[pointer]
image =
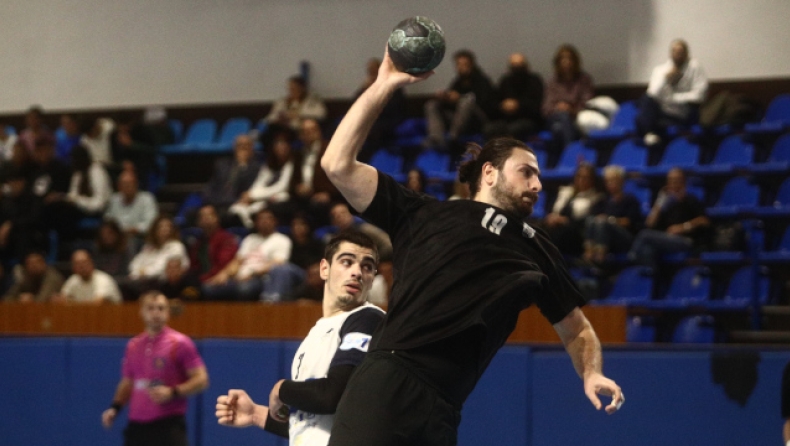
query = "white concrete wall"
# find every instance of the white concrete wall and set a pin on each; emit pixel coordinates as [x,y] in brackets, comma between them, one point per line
[82,54]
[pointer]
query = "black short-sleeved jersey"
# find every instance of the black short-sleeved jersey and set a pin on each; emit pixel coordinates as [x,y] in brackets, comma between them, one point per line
[463,271]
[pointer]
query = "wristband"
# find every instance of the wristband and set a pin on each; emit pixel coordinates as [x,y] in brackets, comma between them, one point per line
[117,406]
[176,393]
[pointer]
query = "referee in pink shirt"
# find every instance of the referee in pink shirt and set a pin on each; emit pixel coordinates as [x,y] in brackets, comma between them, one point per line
[161,367]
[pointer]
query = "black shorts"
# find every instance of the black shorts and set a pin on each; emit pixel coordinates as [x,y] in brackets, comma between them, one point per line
[169,431]
[387,404]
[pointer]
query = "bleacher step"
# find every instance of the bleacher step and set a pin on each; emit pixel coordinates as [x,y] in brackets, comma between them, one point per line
[760,337]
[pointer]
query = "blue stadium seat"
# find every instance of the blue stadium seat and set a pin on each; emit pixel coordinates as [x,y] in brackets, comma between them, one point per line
[695,330]
[737,196]
[634,286]
[542,157]
[781,204]
[411,132]
[739,291]
[782,252]
[733,153]
[177,127]
[679,153]
[689,286]
[629,154]
[640,329]
[623,123]
[200,134]
[389,163]
[776,119]
[192,202]
[436,165]
[574,153]
[233,127]
[539,209]
[696,190]
[641,192]
[778,161]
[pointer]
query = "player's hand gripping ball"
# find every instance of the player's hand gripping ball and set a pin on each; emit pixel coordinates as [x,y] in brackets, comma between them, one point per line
[416,45]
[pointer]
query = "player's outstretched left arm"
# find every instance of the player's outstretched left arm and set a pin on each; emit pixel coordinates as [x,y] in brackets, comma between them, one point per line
[355,180]
[584,348]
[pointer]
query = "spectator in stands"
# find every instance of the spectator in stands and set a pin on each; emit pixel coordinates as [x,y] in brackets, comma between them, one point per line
[88,284]
[314,193]
[20,163]
[112,250]
[520,94]
[34,280]
[88,195]
[383,130]
[342,220]
[50,177]
[614,220]
[298,105]
[274,179]
[34,128]
[134,210]
[214,249]
[162,243]
[574,203]
[464,106]
[7,142]
[232,177]
[136,143]
[676,90]
[96,138]
[306,249]
[179,284]
[311,289]
[69,137]
[244,277]
[566,94]
[22,227]
[676,223]
[416,180]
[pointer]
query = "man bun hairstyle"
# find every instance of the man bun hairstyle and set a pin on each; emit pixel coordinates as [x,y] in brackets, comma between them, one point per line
[495,151]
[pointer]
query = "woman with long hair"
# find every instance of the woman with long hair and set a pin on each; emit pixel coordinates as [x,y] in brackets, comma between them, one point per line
[566,94]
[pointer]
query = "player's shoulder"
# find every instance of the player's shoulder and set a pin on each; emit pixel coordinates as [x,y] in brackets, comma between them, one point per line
[365,317]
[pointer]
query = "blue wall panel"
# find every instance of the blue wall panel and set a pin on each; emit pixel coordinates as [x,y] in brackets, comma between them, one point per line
[671,398]
[33,406]
[250,365]
[497,411]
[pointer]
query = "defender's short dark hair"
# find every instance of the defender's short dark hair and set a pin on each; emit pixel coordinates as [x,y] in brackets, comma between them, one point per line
[495,151]
[350,236]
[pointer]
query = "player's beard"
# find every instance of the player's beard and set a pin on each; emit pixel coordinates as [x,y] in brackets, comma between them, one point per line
[510,200]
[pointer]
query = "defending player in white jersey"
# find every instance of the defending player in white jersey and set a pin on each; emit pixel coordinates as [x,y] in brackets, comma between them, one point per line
[327,356]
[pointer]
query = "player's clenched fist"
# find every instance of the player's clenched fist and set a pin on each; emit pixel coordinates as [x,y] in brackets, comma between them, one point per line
[236,409]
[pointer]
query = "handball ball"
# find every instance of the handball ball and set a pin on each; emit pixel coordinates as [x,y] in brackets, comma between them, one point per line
[416,45]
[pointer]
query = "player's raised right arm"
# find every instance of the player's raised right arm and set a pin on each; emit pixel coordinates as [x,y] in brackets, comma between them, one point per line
[358,181]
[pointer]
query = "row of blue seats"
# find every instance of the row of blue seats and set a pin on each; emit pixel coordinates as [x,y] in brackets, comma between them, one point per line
[203,135]
[693,329]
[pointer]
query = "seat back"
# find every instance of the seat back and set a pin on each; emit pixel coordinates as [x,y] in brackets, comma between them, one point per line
[432,162]
[642,193]
[781,149]
[695,330]
[177,127]
[233,127]
[625,118]
[630,155]
[680,153]
[734,150]
[574,154]
[201,131]
[387,162]
[640,329]
[739,192]
[778,109]
[691,285]
[740,287]
[633,284]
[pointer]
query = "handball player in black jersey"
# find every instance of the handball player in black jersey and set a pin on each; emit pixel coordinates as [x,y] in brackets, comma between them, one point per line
[463,271]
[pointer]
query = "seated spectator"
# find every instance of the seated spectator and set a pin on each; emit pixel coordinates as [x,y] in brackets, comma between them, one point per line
[565,223]
[246,275]
[88,284]
[614,220]
[7,141]
[464,106]
[313,193]
[306,249]
[34,280]
[232,177]
[215,248]
[88,195]
[96,138]
[49,177]
[676,223]
[69,138]
[179,284]
[135,143]
[383,130]
[134,210]
[273,182]
[112,250]
[162,243]
[311,289]
[520,94]
[567,92]
[677,89]
[35,128]
[20,163]
[22,228]
[297,106]
[416,180]
[343,220]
